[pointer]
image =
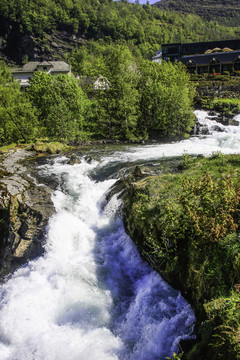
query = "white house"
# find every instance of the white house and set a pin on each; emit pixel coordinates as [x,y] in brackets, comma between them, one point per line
[158,57]
[51,67]
[99,83]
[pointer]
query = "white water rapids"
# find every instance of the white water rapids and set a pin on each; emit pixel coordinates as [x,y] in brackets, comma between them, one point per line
[91,297]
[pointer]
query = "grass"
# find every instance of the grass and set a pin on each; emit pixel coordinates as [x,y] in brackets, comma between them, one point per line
[225,105]
[6,148]
[53,147]
[227,101]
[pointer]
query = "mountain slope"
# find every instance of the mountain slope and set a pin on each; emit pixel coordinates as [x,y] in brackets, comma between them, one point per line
[49,29]
[226,12]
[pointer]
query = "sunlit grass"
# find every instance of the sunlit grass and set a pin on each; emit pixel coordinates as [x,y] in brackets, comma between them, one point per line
[42,146]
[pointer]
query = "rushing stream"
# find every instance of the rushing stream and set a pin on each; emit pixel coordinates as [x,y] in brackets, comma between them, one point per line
[91,297]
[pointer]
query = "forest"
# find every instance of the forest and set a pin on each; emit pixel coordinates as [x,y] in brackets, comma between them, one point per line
[222,11]
[142,99]
[117,41]
[145,26]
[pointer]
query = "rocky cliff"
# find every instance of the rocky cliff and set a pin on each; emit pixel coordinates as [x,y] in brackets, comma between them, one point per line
[17,46]
[25,207]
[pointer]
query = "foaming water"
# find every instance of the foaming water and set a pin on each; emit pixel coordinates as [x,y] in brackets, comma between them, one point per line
[91,296]
[226,141]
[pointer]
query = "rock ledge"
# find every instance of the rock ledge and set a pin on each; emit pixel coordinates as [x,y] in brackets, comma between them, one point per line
[25,207]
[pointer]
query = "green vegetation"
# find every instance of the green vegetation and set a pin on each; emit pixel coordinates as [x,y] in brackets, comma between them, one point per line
[50,147]
[209,79]
[166,99]
[108,19]
[225,12]
[142,98]
[218,92]
[18,119]
[60,105]
[225,106]
[175,356]
[115,39]
[187,224]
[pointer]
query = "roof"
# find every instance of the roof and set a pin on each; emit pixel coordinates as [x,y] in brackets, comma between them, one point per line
[45,63]
[31,66]
[205,59]
[207,43]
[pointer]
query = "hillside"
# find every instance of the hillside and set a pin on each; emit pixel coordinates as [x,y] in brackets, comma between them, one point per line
[226,12]
[51,29]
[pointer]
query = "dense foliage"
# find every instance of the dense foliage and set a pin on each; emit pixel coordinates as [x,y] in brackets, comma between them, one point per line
[225,106]
[141,98]
[117,41]
[226,12]
[188,223]
[17,116]
[144,25]
[60,105]
[166,99]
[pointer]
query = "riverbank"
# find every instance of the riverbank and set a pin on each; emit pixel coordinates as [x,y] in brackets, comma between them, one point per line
[25,200]
[25,207]
[185,223]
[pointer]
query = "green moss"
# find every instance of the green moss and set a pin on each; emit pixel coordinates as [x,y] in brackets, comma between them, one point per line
[225,105]
[8,147]
[54,147]
[51,147]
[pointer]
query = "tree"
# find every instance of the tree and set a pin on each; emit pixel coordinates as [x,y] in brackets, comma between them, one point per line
[166,99]
[123,98]
[60,103]
[18,121]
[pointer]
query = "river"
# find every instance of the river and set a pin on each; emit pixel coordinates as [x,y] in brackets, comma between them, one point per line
[91,296]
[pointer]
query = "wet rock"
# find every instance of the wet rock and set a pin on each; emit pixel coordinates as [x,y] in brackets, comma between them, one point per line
[235,111]
[233,122]
[74,159]
[88,159]
[137,171]
[118,188]
[213,113]
[22,230]
[25,209]
[201,129]
[217,128]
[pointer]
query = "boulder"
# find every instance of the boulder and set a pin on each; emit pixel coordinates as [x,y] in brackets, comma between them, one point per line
[88,159]
[74,159]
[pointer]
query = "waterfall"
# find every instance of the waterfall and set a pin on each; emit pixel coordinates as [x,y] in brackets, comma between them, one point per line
[91,296]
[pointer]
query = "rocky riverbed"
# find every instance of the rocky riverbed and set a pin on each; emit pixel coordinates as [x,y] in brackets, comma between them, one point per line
[25,207]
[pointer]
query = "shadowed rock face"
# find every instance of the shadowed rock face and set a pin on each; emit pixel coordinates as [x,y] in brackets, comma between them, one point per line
[25,207]
[16,45]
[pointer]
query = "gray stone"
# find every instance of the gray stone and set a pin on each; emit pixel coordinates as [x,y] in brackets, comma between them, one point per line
[25,209]
[74,159]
